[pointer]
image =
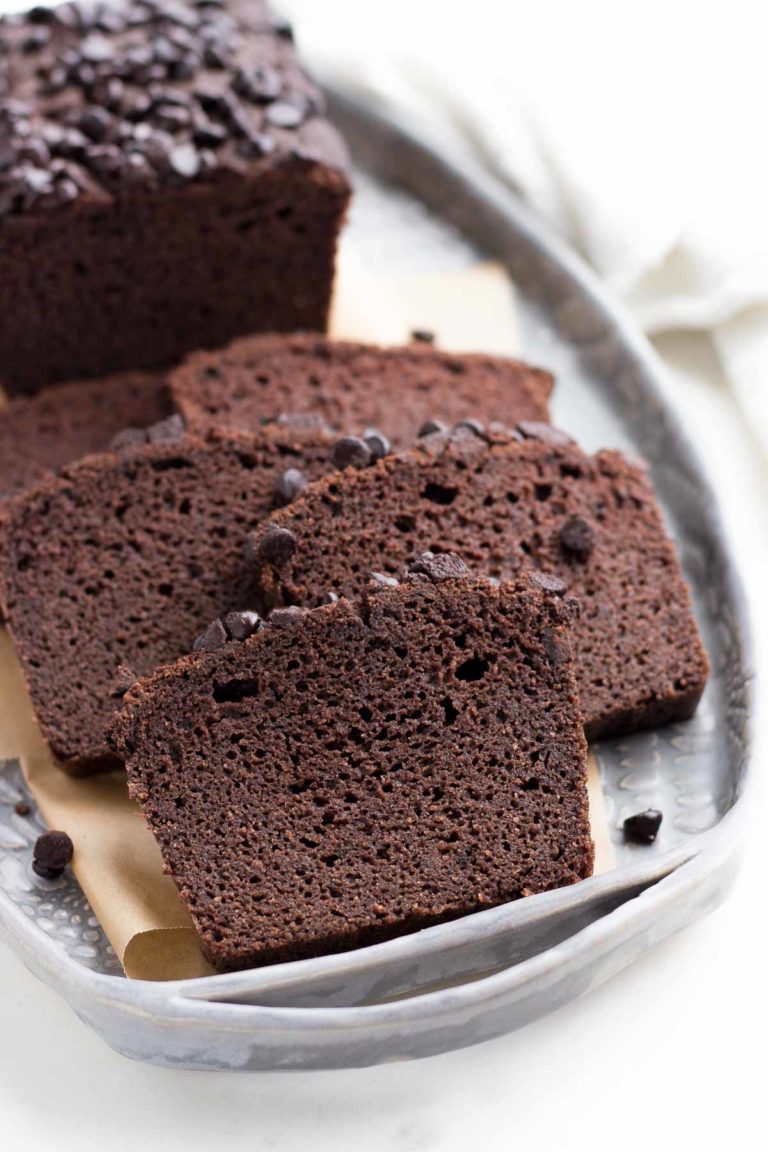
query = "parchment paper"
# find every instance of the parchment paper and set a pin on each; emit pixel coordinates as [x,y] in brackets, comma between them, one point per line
[117,861]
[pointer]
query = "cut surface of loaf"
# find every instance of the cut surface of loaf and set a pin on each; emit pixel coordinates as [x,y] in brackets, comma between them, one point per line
[42,433]
[353,386]
[538,501]
[117,564]
[354,773]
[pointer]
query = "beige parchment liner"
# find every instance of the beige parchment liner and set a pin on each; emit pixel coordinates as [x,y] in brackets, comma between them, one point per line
[117,860]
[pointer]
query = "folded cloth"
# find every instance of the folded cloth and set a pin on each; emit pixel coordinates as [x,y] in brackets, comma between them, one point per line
[635,133]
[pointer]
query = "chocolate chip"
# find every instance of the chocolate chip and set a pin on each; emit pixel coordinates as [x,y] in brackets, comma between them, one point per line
[185,161]
[35,41]
[207,134]
[96,49]
[439,566]
[282,114]
[282,28]
[166,431]
[287,617]
[21,808]
[128,438]
[537,430]
[422,336]
[556,647]
[124,680]
[476,427]
[377,442]
[643,827]
[95,123]
[241,625]
[51,854]
[289,485]
[548,583]
[382,580]
[329,598]
[214,637]
[351,452]
[259,85]
[430,428]
[577,538]
[276,546]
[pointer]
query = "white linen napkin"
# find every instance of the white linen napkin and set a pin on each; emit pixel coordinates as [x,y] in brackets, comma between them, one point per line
[634,130]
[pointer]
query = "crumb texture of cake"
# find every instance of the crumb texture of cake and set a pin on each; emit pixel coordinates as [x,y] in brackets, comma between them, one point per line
[42,433]
[590,522]
[352,387]
[117,565]
[341,778]
[168,181]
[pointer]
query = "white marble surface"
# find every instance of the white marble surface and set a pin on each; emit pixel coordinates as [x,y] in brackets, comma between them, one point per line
[665,1055]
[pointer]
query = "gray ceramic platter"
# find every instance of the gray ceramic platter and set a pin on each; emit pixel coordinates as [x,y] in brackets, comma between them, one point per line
[486,974]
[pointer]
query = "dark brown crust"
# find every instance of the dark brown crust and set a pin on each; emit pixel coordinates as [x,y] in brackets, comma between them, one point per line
[640,661]
[43,433]
[123,560]
[131,274]
[353,386]
[347,780]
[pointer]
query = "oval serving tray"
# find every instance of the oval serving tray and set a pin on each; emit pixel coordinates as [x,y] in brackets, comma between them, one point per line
[485,974]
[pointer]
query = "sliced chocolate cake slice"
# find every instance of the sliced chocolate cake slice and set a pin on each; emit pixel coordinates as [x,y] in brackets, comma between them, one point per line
[353,386]
[357,772]
[42,433]
[591,523]
[117,564]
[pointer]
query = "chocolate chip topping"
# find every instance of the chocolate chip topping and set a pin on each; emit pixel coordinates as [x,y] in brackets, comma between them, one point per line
[144,93]
[289,485]
[431,428]
[21,808]
[377,442]
[128,438]
[439,567]
[276,546]
[351,452]
[382,580]
[537,430]
[548,583]
[166,431]
[287,617]
[422,336]
[241,625]
[214,637]
[577,538]
[643,827]
[124,680]
[51,854]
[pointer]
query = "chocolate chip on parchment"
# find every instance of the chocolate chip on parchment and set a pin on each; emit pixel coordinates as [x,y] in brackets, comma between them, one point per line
[51,854]
[643,827]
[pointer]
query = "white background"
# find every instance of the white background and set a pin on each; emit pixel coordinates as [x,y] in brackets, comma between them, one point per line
[671,1053]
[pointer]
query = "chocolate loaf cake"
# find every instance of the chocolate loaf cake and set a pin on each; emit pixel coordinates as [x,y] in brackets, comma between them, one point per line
[589,522]
[353,386]
[351,774]
[117,564]
[168,181]
[42,433]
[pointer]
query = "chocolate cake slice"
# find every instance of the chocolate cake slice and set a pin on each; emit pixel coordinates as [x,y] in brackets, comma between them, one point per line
[353,773]
[43,433]
[117,564]
[591,523]
[353,386]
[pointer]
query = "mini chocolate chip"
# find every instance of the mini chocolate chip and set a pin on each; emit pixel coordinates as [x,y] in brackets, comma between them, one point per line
[214,637]
[241,625]
[51,854]
[40,15]
[351,452]
[329,598]
[287,617]
[537,430]
[95,123]
[377,442]
[430,427]
[260,85]
[185,161]
[206,134]
[124,679]
[276,546]
[577,538]
[439,566]
[422,336]
[21,808]
[643,827]
[128,438]
[290,485]
[556,648]
[382,580]
[476,427]
[282,28]
[166,431]
[96,49]
[548,583]
[282,114]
